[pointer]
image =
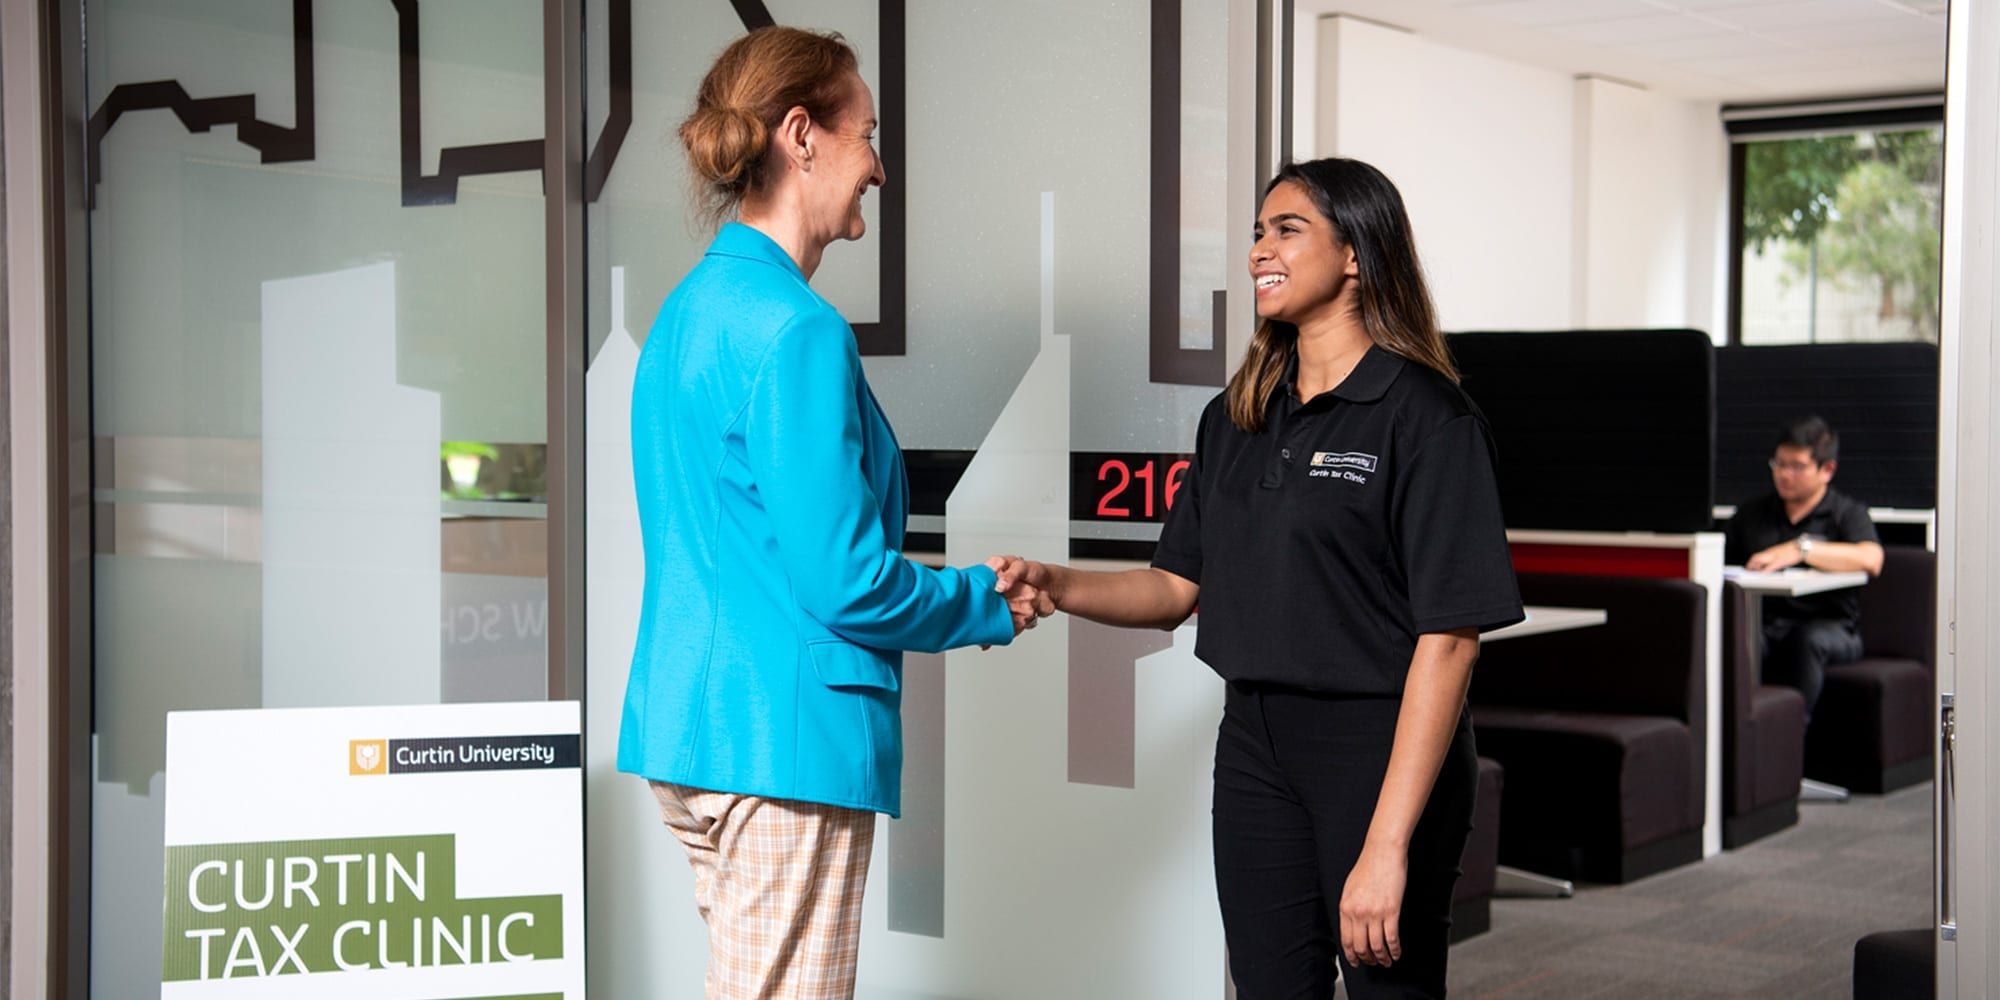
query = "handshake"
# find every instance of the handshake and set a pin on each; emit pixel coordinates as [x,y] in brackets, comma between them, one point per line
[1027,587]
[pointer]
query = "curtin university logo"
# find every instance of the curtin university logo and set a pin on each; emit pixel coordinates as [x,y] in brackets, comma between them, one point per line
[367,756]
[1344,460]
[463,753]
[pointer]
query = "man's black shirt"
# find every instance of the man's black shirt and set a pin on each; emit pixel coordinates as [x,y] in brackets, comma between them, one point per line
[1762,523]
[1352,523]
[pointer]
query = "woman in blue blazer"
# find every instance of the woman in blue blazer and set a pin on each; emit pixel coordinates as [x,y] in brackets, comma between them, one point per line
[763,703]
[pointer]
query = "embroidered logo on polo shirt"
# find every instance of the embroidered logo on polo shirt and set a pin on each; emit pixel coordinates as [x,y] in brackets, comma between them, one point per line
[1344,465]
[1344,460]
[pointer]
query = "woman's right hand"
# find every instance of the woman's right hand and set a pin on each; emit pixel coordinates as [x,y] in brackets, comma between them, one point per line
[1022,583]
[1135,598]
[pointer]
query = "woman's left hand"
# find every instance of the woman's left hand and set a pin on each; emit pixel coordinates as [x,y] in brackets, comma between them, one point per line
[1371,907]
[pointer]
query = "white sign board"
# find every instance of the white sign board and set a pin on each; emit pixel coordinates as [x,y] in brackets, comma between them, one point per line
[420,853]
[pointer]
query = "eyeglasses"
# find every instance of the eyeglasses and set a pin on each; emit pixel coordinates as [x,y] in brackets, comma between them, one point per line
[1793,467]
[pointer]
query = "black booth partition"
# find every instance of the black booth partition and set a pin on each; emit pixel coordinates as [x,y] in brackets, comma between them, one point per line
[1881,398]
[1610,430]
[1647,430]
[1598,430]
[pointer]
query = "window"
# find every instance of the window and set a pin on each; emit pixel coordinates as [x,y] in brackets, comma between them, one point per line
[1837,233]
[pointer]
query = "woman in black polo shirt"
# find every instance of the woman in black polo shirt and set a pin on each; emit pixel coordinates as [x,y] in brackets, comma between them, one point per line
[1341,528]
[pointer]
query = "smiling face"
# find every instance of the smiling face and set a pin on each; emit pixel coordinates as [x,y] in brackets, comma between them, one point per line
[1297,261]
[845,165]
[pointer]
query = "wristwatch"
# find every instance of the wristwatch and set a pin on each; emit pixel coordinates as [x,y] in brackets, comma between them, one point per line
[1805,548]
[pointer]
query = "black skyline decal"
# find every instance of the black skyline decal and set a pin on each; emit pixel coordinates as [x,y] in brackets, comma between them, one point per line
[296,143]
[458,162]
[274,143]
[1168,361]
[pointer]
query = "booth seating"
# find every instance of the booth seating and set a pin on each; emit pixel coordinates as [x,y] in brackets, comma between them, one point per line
[1763,734]
[1896,965]
[1601,730]
[1472,897]
[1871,731]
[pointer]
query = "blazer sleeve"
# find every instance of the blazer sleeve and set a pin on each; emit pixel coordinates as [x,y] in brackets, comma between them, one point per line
[803,437]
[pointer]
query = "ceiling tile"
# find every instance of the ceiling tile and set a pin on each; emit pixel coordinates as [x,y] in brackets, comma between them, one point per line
[1826,82]
[1718,5]
[1887,31]
[1783,61]
[1626,30]
[1707,49]
[1928,8]
[1781,17]
[1722,44]
[1914,57]
[1537,13]
[1734,89]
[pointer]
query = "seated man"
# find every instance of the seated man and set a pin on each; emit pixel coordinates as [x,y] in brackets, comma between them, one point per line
[1805,522]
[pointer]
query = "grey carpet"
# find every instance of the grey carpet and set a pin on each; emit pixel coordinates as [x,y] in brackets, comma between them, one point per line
[1777,918]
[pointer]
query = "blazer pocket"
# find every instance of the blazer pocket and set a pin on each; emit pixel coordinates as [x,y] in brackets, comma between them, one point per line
[842,664]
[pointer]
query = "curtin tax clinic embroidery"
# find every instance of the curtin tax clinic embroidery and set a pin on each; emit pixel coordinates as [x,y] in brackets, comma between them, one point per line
[1344,465]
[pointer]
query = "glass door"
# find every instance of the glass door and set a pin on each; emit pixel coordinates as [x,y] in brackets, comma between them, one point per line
[319,291]
[317,378]
[1048,295]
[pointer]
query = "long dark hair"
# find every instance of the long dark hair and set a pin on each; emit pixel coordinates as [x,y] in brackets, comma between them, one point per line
[1394,302]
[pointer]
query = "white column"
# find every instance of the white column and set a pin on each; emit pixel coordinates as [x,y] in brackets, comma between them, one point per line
[1705,568]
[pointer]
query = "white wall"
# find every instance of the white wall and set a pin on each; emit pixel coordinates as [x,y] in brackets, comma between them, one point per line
[1652,202]
[1480,148]
[1539,200]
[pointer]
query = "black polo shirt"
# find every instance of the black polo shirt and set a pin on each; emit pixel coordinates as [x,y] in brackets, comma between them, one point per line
[1354,522]
[1762,523]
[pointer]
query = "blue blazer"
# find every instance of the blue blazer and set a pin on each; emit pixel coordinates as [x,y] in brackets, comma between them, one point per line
[772,501]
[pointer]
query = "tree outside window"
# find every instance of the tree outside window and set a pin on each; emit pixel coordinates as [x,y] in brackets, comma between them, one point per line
[1841,237]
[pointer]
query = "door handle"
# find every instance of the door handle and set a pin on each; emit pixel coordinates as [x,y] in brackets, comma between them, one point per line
[1947,812]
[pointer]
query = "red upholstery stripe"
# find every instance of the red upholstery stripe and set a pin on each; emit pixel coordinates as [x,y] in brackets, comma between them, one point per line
[1601,560]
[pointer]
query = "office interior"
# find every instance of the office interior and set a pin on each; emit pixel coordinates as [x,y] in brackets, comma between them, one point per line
[322,322]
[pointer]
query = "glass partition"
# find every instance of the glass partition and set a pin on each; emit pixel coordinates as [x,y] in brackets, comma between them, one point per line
[1045,297]
[317,381]
[319,336]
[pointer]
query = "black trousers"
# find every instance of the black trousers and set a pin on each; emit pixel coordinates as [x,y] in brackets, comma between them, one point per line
[1797,653]
[1296,779]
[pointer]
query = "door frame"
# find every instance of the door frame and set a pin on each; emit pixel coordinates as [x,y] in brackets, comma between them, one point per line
[1967,823]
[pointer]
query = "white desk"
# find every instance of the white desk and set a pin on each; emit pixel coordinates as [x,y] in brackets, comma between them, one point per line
[1795,582]
[1543,620]
[1508,880]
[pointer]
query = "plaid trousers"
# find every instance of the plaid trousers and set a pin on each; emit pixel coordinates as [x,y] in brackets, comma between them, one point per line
[779,883]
